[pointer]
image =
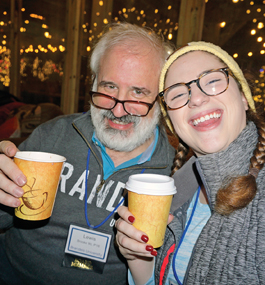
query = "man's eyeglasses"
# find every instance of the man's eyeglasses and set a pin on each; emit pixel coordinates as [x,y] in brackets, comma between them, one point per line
[212,82]
[133,108]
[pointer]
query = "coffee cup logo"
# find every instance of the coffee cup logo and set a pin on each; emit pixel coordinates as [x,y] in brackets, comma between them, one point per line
[34,200]
[43,172]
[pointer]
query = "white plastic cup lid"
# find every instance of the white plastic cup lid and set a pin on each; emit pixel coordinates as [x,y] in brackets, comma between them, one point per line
[151,184]
[39,156]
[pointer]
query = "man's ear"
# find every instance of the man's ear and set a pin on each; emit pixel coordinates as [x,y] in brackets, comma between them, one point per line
[245,102]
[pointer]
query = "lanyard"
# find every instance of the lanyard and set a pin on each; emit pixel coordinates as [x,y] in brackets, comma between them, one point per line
[183,235]
[110,214]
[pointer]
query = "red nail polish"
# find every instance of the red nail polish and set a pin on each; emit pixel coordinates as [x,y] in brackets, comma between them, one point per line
[144,238]
[149,248]
[131,219]
[154,253]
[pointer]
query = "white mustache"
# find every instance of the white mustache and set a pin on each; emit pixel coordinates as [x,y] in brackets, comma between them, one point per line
[124,119]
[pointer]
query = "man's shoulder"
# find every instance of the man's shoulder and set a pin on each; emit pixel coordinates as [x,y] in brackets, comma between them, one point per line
[58,129]
[65,121]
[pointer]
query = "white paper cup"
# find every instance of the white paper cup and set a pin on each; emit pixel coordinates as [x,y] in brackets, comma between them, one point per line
[43,171]
[149,200]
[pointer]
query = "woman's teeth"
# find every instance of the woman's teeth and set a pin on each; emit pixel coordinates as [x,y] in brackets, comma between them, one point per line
[206,118]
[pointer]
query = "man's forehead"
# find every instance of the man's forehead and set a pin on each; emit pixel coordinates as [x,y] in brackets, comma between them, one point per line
[134,48]
[120,67]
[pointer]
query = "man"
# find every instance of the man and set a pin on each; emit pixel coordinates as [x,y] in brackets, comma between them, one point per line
[120,137]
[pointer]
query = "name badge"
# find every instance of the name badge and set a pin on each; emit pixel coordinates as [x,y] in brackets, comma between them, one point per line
[88,243]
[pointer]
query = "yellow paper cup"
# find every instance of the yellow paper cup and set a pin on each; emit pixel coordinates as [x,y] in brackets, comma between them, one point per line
[149,200]
[43,171]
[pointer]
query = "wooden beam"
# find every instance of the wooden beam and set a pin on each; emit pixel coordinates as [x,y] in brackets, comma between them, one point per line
[100,17]
[191,20]
[16,20]
[71,79]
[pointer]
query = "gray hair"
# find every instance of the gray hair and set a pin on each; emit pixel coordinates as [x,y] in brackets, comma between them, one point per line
[122,33]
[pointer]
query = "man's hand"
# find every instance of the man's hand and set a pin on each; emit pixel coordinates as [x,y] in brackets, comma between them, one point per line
[11,177]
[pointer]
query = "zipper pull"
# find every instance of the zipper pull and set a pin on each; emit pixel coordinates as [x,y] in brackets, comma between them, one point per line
[100,185]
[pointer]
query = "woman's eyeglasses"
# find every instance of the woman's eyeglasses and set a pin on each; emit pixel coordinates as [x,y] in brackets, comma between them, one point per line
[212,82]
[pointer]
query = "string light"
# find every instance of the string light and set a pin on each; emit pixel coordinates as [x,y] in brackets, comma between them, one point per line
[260,25]
[168,26]
[61,48]
[37,16]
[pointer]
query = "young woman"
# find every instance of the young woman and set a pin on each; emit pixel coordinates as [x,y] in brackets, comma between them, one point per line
[218,227]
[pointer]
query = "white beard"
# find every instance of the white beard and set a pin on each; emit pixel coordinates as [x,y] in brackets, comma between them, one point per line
[124,141]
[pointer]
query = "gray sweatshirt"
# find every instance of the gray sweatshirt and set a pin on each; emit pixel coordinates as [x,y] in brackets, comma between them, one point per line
[36,251]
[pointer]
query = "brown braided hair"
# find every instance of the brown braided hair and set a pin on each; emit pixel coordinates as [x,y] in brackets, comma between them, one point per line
[180,157]
[241,190]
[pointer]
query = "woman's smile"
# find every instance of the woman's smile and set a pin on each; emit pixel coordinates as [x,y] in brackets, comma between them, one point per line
[204,122]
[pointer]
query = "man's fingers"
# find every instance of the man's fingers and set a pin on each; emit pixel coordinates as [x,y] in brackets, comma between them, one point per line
[8,148]
[9,168]
[9,200]
[11,177]
[10,187]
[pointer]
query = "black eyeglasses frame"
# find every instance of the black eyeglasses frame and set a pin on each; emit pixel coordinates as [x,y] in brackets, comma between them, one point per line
[149,105]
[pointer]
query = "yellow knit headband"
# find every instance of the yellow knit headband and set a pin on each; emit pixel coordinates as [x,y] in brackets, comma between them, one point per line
[220,53]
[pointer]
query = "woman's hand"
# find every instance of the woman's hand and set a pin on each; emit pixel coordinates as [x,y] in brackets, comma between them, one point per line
[132,243]
[11,177]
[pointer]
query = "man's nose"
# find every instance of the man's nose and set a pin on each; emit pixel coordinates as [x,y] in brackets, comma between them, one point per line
[118,111]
